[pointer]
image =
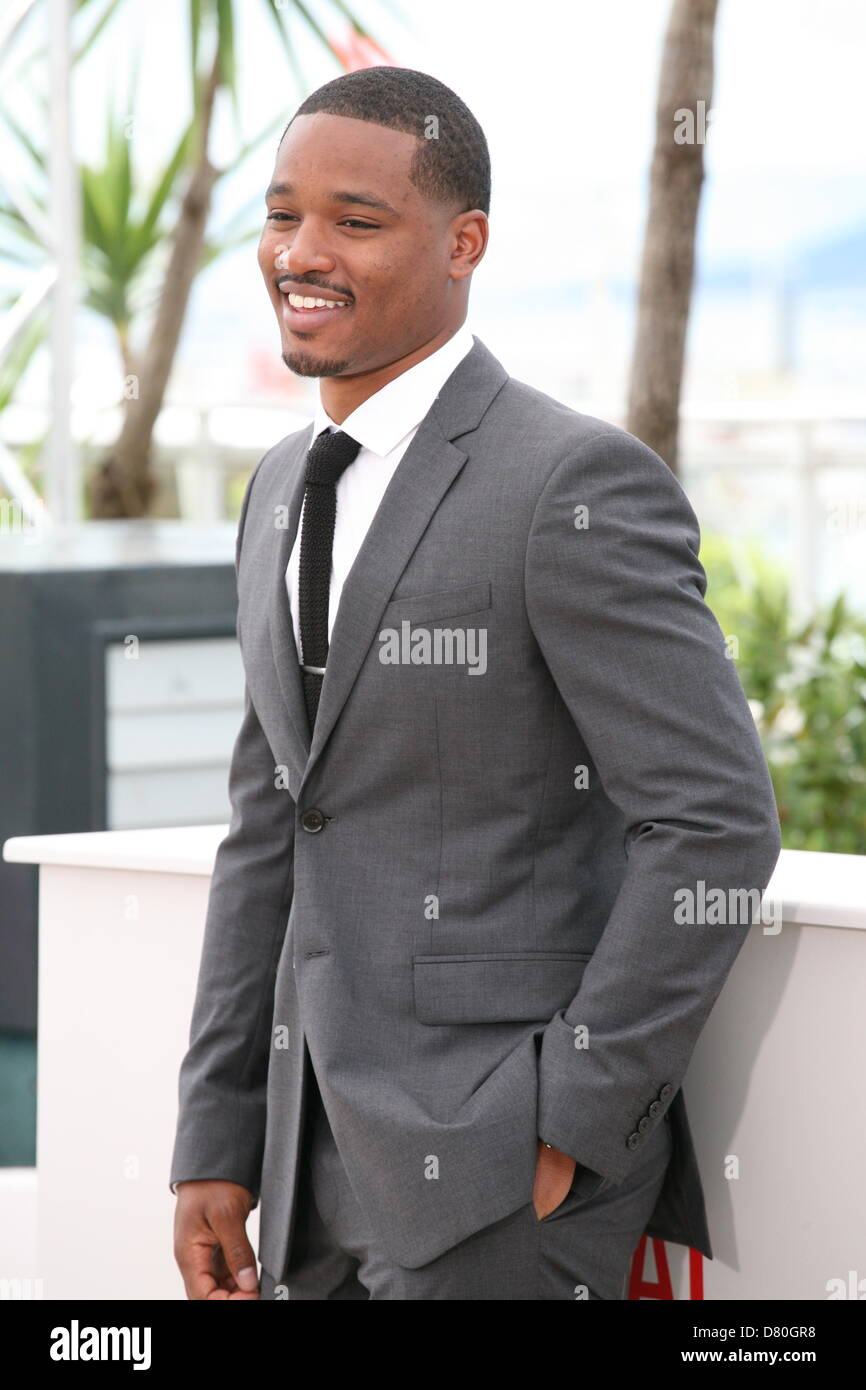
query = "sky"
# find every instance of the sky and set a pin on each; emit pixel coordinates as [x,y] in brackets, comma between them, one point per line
[566,102]
[565,93]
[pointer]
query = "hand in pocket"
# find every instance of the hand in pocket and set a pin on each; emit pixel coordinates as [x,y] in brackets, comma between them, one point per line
[554,1174]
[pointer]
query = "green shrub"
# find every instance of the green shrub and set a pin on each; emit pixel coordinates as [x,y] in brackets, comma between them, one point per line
[806,684]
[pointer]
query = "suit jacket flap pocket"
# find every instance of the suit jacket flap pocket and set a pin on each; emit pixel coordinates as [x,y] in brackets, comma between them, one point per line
[506,987]
[446,603]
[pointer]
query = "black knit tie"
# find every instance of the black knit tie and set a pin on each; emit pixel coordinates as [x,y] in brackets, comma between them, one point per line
[328,458]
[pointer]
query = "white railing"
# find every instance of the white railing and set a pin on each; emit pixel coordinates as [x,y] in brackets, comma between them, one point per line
[791,475]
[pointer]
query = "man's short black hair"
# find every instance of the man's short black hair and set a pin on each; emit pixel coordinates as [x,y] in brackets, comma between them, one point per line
[451,163]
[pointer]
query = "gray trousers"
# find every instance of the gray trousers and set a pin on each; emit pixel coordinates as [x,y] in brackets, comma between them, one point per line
[582,1250]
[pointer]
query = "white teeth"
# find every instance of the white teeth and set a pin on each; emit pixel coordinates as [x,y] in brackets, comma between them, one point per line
[299,301]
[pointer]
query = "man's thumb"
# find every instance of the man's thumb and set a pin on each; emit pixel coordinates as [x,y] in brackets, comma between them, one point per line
[237,1252]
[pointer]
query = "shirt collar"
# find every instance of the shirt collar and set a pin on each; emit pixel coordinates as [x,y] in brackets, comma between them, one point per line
[383,419]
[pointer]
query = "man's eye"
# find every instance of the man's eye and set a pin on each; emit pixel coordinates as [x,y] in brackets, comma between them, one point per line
[347,222]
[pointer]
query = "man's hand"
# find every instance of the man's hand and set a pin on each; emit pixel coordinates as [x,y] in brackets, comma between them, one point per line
[554,1174]
[210,1240]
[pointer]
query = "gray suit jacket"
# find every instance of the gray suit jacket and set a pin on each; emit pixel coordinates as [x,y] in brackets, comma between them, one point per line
[462,895]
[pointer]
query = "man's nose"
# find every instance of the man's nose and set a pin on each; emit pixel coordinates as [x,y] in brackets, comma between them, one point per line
[307,252]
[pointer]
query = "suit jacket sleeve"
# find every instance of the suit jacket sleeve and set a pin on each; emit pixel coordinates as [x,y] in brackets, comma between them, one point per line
[223,1077]
[639,659]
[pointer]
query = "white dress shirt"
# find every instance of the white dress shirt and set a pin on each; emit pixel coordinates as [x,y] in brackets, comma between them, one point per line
[385,425]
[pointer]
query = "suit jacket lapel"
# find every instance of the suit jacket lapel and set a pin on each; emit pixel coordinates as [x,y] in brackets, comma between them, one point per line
[279,611]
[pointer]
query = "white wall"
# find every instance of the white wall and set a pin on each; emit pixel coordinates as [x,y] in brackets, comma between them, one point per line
[777,1081]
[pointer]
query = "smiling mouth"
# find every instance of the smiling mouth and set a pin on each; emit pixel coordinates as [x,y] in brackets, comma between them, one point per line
[312,310]
[305,304]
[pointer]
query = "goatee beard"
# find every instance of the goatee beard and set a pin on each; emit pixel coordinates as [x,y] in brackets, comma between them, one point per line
[302,364]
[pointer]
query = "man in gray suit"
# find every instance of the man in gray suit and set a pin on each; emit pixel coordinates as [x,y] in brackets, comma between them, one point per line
[494,764]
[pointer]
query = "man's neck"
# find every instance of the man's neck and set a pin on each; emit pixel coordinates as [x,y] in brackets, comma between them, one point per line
[340,395]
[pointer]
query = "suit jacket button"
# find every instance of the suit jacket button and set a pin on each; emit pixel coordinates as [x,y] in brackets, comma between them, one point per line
[666,1091]
[633,1140]
[643,1124]
[312,820]
[655,1108]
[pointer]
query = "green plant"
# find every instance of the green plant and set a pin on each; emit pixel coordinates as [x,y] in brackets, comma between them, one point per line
[160,242]
[806,684]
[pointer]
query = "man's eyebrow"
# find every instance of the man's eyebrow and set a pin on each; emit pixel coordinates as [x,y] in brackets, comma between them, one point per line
[367,200]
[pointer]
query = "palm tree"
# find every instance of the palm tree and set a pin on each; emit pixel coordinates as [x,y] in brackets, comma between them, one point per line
[122,484]
[125,230]
[667,269]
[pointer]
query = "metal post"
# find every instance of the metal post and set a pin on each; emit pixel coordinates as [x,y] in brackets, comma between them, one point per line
[62,471]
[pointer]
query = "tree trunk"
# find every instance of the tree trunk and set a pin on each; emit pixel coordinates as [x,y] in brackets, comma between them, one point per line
[667,268]
[122,484]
